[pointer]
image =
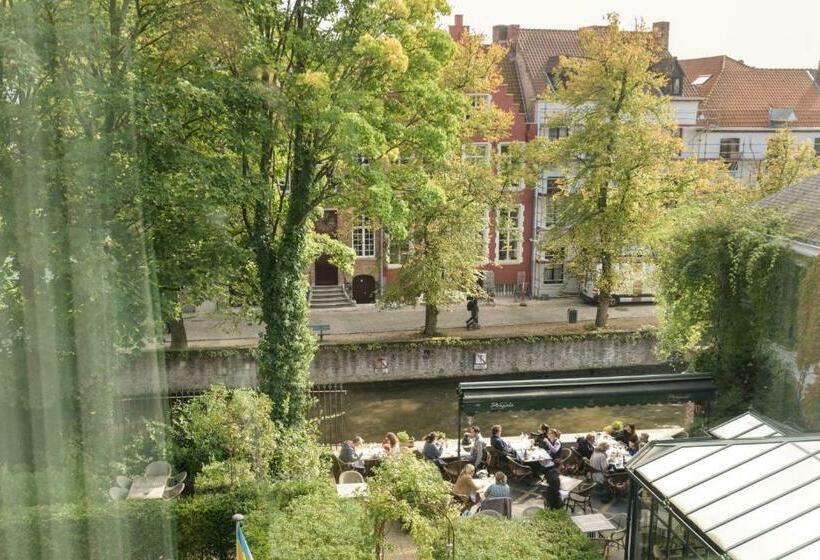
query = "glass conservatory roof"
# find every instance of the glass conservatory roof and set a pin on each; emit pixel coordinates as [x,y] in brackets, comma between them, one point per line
[750,425]
[754,498]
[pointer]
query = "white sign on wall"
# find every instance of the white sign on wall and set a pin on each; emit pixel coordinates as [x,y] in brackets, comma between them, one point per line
[480,360]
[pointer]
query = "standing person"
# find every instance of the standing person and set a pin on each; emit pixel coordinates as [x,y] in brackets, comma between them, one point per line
[500,489]
[472,307]
[586,445]
[390,444]
[552,495]
[601,467]
[477,451]
[351,455]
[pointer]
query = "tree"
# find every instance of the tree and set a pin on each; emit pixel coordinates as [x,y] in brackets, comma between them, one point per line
[718,285]
[448,200]
[312,101]
[785,163]
[618,158]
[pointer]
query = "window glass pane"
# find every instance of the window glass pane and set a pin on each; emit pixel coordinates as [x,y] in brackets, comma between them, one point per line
[364,238]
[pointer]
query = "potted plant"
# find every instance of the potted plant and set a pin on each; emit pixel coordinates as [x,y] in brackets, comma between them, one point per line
[404,439]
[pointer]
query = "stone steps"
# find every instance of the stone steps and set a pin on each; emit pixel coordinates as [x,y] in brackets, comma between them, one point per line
[329,297]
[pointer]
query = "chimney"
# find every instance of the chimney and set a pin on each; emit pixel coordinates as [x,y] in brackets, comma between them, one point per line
[458,28]
[505,34]
[661,31]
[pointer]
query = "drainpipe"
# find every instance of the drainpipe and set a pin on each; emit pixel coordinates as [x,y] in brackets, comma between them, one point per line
[534,242]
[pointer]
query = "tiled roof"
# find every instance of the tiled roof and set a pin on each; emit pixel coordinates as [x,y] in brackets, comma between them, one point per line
[510,75]
[800,205]
[541,49]
[737,95]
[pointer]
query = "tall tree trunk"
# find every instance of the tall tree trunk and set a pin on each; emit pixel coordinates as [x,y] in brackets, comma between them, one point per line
[179,338]
[604,292]
[430,319]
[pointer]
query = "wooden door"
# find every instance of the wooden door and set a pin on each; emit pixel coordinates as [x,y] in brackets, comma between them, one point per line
[326,273]
[364,288]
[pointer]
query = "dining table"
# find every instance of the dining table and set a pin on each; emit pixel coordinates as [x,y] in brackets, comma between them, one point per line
[592,523]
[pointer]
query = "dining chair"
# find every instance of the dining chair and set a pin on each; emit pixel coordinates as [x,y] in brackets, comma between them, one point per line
[173,491]
[181,476]
[519,471]
[351,477]
[503,506]
[158,468]
[453,469]
[489,513]
[617,536]
[123,481]
[581,497]
[462,502]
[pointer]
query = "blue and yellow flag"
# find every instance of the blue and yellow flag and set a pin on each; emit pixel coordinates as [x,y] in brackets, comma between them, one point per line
[242,550]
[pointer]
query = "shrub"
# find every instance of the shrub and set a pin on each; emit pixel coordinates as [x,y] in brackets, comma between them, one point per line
[550,535]
[313,527]
[411,491]
[223,424]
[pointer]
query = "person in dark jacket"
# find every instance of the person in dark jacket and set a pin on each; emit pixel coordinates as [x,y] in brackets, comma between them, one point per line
[432,450]
[350,454]
[586,445]
[497,442]
[472,307]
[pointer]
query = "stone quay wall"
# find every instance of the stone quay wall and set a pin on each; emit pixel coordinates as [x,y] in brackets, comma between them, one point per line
[194,370]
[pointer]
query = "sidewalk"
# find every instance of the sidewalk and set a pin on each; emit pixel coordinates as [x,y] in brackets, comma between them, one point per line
[361,323]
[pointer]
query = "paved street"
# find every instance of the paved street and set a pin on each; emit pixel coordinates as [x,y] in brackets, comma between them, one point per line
[359,323]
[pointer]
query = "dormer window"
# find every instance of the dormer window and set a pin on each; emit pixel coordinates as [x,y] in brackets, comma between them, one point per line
[702,79]
[781,115]
[677,86]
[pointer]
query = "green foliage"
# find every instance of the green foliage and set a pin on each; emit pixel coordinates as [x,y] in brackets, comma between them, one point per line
[315,527]
[230,432]
[785,163]
[550,535]
[197,528]
[410,491]
[718,278]
[620,157]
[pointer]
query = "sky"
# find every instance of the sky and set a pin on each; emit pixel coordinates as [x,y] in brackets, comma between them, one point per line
[782,34]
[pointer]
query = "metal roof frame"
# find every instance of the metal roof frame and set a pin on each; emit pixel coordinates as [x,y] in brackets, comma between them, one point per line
[763,420]
[646,457]
[540,394]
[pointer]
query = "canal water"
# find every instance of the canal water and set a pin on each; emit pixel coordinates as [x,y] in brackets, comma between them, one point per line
[419,407]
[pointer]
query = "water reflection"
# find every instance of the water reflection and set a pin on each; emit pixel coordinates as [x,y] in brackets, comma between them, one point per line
[419,407]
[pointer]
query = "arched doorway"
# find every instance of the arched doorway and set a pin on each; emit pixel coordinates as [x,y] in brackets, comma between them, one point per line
[326,273]
[364,288]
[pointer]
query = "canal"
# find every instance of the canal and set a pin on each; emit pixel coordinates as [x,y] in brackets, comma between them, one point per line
[419,407]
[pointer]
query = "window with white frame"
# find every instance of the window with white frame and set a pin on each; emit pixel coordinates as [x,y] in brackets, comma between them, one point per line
[553,132]
[509,225]
[547,202]
[730,153]
[817,146]
[479,102]
[511,183]
[477,152]
[553,269]
[397,252]
[364,238]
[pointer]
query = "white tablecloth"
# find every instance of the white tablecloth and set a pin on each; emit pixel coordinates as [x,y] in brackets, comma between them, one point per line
[592,523]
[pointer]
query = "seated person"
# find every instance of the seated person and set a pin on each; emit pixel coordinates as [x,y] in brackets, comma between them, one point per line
[586,445]
[500,489]
[644,439]
[542,435]
[552,443]
[477,451]
[390,444]
[351,455]
[466,486]
[624,435]
[432,448]
[498,443]
[633,445]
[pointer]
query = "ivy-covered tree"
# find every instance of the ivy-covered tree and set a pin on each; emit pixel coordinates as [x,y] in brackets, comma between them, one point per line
[619,156]
[310,103]
[718,285]
[786,162]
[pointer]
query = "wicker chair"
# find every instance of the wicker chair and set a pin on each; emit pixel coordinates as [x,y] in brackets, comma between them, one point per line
[618,484]
[463,502]
[563,461]
[494,462]
[590,470]
[581,497]
[518,471]
[617,536]
[453,469]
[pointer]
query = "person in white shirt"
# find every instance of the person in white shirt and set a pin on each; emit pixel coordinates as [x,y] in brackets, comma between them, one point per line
[600,466]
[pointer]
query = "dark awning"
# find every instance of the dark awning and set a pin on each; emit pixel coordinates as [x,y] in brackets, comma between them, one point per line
[540,394]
